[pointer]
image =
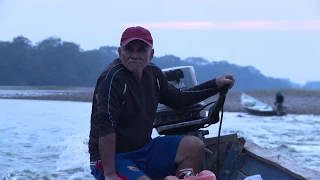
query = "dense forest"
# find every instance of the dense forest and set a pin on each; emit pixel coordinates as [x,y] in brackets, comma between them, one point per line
[54,62]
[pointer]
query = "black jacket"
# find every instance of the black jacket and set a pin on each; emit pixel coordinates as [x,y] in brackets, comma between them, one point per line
[127,106]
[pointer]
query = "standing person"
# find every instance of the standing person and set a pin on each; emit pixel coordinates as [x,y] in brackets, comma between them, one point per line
[124,106]
[279,103]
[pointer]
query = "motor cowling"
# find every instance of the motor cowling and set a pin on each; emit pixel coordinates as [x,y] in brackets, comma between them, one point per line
[169,121]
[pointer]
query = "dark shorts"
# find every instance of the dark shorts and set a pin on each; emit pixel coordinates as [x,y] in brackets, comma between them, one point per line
[155,160]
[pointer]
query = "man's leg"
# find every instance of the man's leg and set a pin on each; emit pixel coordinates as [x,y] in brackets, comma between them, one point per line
[161,158]
[128,170]
[169,154]
[125,169]
[143,178]
[97,170]
[190,154]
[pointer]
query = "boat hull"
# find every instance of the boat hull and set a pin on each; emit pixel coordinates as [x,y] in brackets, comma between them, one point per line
[240,159]
[261,113]
[256,107]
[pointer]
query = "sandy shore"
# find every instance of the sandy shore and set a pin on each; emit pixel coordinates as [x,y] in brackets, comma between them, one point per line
[297,101]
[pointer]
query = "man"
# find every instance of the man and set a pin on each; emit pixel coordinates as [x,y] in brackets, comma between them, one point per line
[279,103]
[124,107]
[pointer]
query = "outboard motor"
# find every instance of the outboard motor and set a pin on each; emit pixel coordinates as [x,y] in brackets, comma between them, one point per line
[190,119]
[169,121]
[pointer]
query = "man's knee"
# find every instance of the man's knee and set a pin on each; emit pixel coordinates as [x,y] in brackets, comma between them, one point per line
[190,146]
[192,143]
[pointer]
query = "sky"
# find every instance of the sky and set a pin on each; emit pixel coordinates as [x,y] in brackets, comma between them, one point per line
[281,38]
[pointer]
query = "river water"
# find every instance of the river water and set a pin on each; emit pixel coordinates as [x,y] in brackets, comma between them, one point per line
[48,139]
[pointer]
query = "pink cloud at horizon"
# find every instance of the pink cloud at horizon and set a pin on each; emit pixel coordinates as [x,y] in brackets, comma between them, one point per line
[259,24]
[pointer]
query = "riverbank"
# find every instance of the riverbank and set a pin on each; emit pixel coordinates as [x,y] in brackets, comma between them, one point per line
[298,101]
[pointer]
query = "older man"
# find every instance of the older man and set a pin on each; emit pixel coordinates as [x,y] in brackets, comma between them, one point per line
[124,106]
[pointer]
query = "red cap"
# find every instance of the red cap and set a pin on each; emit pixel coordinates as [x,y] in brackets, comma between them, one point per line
[137,32]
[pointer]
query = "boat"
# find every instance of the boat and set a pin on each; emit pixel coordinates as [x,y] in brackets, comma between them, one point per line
[241,159]
[256,107]
[229,157]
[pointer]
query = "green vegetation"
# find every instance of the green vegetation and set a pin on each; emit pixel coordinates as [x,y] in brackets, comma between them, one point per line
[53,62]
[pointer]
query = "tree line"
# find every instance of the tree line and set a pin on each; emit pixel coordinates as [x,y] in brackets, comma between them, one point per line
[53,62]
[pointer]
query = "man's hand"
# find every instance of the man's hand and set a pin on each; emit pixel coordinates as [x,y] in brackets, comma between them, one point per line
[113,176]
[221,80]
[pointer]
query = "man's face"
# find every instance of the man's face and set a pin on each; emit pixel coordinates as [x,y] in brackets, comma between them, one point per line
[136,55]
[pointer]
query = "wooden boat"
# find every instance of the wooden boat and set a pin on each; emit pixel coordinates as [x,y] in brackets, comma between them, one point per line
[229,157]
[256,107]
[240,159]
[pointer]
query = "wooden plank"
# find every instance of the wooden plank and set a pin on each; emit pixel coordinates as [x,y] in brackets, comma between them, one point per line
[241,161]
[254,166]
[237,175]
[282,163]
[230,161]
[211,160]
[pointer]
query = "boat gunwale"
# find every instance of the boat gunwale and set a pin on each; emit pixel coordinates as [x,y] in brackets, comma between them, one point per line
[281,162]
[272,158]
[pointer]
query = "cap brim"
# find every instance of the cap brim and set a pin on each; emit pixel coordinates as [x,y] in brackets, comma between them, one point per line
[129,40]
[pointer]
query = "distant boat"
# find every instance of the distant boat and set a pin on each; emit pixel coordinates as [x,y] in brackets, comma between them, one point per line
[256,107]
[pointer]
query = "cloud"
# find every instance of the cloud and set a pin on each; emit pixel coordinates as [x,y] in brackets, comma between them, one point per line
[260,24]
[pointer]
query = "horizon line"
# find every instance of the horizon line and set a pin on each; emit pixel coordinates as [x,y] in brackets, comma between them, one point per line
[234,25]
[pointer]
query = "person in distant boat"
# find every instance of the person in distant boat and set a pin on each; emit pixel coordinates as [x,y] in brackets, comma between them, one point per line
[124,106]
[279,103]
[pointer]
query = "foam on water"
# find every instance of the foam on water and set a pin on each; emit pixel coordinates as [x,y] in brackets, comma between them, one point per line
[35,92]
[74,156]
[49,139]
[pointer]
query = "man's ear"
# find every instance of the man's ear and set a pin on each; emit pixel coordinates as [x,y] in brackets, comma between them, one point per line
[119,51]
[151,54]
